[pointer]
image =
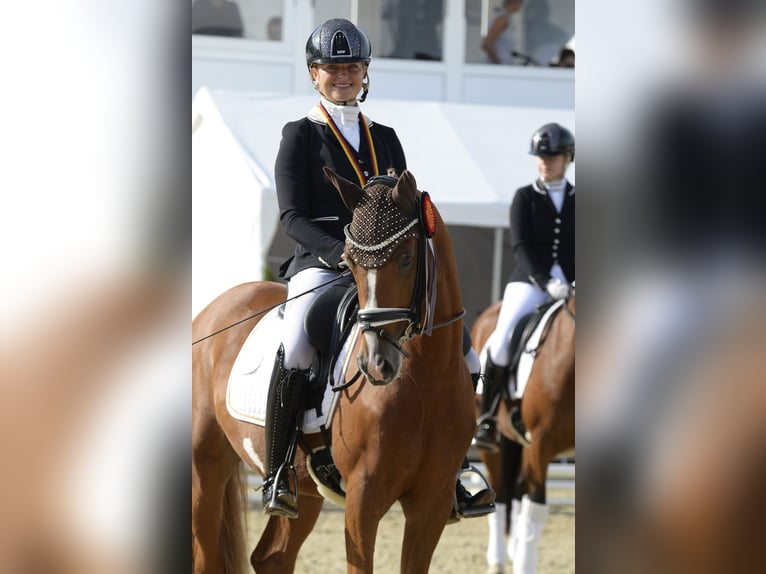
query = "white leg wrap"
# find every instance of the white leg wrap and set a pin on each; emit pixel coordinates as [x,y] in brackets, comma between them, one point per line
[532,520]
[514,538]
[496,542]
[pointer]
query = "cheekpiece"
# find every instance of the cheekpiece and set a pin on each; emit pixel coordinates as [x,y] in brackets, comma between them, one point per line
[378,227]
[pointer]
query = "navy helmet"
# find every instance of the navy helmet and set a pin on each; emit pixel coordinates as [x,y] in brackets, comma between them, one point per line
[552,139]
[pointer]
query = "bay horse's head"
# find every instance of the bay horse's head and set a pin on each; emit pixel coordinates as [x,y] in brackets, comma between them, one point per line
[386,251]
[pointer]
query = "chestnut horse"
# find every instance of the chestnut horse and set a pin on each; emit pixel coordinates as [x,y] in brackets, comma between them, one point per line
[518,475]
[400,433]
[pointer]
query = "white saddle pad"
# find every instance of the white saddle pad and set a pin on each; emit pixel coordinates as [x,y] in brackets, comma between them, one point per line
[248,386]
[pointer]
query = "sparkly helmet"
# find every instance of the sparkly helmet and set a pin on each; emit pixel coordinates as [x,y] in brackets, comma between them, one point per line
[338,41]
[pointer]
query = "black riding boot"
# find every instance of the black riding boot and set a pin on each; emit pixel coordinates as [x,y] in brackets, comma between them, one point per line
[495,376]
[469,505]
[280,497]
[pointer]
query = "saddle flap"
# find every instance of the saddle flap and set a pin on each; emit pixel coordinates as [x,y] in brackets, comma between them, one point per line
[523,331]
[328,315]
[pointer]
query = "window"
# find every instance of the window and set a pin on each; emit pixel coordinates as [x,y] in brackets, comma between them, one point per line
[410,29]
[255,19]
[537,32]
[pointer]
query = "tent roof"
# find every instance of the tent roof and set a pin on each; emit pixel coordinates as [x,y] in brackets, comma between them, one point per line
[470,158]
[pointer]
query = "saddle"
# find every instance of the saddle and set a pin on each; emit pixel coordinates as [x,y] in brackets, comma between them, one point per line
[518,340]
[328,323]
[519,337]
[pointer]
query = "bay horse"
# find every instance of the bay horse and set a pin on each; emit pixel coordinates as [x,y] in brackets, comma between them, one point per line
[517,473]
[399,433]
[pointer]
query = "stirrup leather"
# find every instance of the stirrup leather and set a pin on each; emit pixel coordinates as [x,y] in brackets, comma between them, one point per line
[518,427]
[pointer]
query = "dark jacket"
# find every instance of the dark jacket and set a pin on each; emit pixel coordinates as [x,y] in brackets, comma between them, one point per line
[540,236]
[310,208]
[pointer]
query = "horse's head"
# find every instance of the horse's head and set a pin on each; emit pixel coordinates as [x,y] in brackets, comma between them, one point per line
[385,250]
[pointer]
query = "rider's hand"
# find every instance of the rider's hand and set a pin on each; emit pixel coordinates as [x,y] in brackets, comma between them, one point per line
[343,265]
[557,288]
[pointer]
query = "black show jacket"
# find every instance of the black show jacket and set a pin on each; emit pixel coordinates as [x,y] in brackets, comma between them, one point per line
[310,208]
[540,236]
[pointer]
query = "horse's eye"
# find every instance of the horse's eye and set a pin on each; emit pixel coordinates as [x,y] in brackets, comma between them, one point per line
[405,260]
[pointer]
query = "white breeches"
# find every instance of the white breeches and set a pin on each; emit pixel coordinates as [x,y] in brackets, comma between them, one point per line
[519,299]
[299,353]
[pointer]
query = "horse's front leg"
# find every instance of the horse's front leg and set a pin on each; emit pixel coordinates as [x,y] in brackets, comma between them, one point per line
[365,507]
[533,513]
[281,540]
[426,512]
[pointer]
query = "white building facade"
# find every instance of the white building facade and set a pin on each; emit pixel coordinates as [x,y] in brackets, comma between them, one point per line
[422,50]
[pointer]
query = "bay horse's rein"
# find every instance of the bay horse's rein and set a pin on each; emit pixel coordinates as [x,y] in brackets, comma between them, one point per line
[346,273]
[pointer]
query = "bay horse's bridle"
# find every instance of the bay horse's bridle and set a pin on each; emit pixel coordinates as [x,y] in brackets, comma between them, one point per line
[424,292]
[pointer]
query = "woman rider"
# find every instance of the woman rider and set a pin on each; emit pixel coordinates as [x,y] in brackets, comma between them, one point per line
[543,243]
[335,134]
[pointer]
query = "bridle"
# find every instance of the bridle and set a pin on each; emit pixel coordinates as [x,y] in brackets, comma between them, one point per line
[419,316]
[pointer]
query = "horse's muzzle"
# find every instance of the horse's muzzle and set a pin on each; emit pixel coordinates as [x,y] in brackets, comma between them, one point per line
[379,360]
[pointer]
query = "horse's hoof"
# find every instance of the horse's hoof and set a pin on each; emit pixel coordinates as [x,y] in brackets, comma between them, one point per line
[496,569]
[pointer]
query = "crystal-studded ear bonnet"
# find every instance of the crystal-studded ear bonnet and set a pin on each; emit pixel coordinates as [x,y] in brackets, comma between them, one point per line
[379,224]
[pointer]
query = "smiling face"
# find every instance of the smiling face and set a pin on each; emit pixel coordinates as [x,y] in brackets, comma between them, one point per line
[338,82]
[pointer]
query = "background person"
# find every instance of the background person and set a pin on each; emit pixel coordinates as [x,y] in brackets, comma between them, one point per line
[543,243]
[502,38]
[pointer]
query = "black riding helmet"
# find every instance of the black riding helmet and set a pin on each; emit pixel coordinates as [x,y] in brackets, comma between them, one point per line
[337,41]
[552,139]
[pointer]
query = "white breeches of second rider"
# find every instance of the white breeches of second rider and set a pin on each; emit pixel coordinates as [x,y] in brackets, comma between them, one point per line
[519,299]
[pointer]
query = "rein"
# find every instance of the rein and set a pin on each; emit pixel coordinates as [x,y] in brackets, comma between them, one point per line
[267,309]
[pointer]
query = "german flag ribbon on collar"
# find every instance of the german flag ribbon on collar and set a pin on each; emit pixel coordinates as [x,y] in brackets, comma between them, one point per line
[347,147]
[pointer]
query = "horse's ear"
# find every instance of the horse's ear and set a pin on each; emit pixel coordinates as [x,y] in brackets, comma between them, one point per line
[350,193]
[405,194]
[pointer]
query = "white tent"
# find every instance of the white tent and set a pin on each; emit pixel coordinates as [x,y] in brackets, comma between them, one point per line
[470,158]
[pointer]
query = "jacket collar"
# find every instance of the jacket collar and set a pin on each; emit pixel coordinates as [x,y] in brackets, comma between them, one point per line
[539,187]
